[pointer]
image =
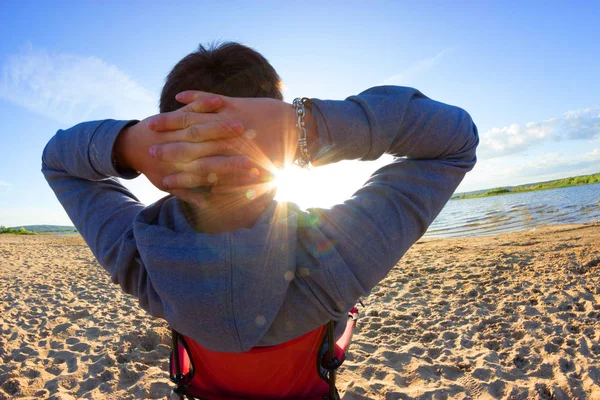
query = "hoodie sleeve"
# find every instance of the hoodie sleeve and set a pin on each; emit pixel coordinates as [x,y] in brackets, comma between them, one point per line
[77,164]
[343,252]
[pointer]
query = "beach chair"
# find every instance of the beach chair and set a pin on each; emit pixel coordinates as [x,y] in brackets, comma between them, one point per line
[302,368]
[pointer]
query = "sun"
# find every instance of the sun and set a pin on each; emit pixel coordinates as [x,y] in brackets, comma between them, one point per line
[324,186]
[315,187]
[292,183]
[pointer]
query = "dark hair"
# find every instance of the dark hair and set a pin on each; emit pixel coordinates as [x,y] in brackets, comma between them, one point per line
[230,69]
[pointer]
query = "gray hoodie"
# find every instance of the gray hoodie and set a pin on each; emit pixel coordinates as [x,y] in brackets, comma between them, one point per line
[294,270]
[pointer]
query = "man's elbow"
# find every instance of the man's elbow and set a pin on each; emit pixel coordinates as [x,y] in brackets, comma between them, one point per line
[44,156]
[466,140]
[51,154]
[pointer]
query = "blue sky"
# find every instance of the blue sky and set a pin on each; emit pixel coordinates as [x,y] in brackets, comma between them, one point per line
[527,73]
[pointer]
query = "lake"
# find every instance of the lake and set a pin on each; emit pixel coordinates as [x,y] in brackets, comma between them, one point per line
[517,212]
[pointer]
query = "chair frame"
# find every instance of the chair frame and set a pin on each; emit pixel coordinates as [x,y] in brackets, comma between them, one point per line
[330,361]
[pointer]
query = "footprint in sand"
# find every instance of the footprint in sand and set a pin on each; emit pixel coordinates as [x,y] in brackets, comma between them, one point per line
[520,361]
[566,365]
[472,387]
[55,370]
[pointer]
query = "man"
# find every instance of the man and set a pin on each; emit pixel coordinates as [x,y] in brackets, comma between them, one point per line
[288,271]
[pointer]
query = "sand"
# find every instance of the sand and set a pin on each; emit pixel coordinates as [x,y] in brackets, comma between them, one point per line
[515,316]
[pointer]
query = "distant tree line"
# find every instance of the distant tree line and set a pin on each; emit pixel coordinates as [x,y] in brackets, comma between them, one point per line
[572,181]
[16,231]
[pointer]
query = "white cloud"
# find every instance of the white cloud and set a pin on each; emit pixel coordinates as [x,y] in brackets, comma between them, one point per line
[555,163]
[592,156]
[572,125]
[71,88]
[415,70]
[6,187]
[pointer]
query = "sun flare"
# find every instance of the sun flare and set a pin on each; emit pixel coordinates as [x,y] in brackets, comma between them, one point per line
[291,183]
[323,186]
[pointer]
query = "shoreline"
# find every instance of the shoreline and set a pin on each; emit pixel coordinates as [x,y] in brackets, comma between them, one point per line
[508,316]
[477,234]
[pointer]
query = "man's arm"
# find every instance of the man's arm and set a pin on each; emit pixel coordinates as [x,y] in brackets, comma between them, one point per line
[351,247]
[77,165]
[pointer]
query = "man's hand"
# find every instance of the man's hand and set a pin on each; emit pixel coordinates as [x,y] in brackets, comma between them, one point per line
[270,137]
[214,160]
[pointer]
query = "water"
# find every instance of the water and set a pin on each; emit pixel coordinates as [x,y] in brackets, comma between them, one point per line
[517,212]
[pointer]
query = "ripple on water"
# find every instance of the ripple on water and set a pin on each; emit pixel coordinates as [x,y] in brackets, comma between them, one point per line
[517,212]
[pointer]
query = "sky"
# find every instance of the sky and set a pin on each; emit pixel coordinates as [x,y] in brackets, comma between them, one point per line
[527,72]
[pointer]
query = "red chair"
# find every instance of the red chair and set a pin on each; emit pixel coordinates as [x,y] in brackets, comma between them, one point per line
[302,368]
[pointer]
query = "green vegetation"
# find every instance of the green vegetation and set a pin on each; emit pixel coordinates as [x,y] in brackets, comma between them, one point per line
[16,231]
[496,191]
[559,183]
[48,228]
[37,229]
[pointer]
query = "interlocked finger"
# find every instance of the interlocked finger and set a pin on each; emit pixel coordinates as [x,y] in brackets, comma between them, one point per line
[213,130]
[183,152]
[212,171]
[185,180]
[176,120]
[194,98]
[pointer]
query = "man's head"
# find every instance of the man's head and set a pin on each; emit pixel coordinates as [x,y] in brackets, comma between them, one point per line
[229,69]
[232,70]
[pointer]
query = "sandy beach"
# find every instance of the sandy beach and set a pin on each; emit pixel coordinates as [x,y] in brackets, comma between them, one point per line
[515,316]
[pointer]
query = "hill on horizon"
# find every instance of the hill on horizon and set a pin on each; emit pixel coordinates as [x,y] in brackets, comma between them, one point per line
[47,228]
[523,186]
